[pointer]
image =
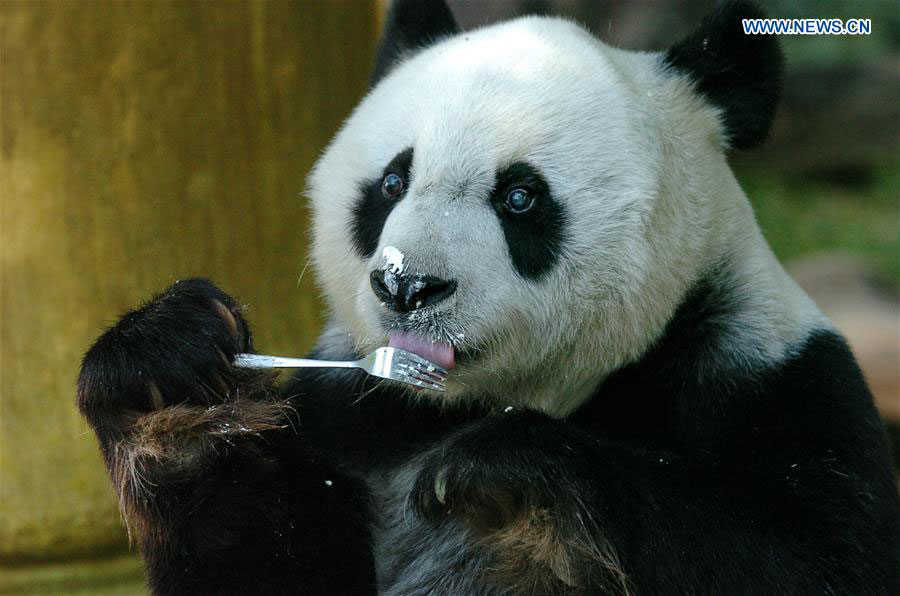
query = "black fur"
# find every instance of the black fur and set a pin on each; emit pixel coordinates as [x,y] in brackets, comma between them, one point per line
[739,74]
[671,480]
[534,237]
[219,506]
[779,478]
[411,25]
[373,209]
[141,349]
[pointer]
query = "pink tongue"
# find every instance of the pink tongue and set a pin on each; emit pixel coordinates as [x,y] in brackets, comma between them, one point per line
[440,354]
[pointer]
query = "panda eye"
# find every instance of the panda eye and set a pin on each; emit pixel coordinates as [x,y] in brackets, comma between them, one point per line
[519,200]
[392,186]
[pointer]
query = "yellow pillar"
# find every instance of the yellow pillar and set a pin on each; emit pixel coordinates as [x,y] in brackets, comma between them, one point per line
[142,142]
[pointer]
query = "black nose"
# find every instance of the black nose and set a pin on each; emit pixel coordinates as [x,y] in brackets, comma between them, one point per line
[405,293]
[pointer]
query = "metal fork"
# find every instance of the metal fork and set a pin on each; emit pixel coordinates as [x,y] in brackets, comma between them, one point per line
[387,363]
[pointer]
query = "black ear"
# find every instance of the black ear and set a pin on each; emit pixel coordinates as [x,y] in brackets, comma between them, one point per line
[411,24]
[738,73]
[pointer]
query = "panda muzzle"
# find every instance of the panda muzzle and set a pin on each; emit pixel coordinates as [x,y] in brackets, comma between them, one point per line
[406,293]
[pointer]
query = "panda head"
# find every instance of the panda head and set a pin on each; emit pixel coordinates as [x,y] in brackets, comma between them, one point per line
[528,205]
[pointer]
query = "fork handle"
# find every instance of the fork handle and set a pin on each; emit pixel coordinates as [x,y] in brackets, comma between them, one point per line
[265,361]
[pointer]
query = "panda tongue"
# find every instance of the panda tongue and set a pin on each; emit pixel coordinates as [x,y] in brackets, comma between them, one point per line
[438,353]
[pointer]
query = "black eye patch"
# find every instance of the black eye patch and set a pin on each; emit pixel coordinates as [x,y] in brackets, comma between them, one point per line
[373,207]
[534,237]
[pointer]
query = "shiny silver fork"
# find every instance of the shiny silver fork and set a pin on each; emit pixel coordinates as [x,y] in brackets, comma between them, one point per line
[387,363]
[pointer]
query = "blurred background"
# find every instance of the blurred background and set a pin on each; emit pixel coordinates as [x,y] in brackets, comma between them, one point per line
[142,142]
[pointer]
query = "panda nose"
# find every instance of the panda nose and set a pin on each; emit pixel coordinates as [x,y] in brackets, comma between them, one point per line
[405,293]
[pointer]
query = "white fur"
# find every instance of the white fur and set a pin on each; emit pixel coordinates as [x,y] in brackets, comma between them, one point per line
[632,153]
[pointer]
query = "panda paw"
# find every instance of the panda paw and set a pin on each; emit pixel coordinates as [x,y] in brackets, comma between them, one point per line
[495,472]
[466,489]
[525,486]
[175,349]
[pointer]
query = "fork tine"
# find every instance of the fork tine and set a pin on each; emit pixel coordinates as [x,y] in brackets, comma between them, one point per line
[416,372]
[420,382]
[432,386]
[419,362]
[422,378]
[415,358]
[425,374]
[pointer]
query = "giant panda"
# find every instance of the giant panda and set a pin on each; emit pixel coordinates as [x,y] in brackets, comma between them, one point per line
[640,400]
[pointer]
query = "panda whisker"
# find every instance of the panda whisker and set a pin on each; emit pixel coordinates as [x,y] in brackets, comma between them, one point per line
[367,393]
[303,271]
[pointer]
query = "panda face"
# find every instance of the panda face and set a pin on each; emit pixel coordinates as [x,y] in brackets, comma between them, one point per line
[524,203]
[509,162]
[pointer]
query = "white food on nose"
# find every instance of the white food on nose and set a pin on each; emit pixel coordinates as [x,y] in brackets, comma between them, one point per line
[393,259]
[393,266]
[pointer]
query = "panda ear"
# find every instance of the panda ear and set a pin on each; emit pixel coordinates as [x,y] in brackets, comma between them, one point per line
[738,73]
[411,25]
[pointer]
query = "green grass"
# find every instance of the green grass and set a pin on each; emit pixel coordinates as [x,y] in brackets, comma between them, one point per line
[803,218]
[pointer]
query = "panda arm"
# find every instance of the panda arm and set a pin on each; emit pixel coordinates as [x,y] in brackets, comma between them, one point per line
[213,476]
